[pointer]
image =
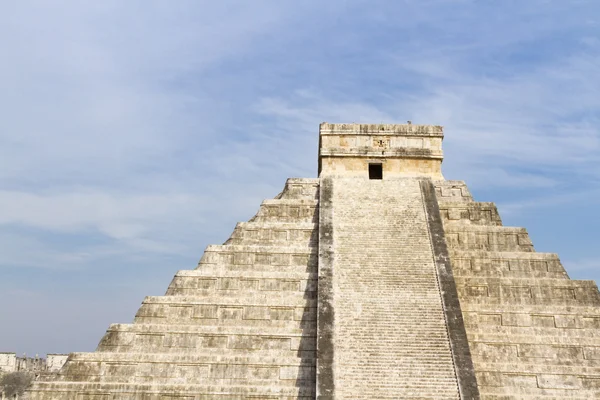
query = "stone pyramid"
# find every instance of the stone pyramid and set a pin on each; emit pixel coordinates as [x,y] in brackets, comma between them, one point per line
[378,280]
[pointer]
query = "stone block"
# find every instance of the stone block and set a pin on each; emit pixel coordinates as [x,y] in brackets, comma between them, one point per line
[494,351]
[572,382]
[514,319]
[258,342]
[567,353]
[547,321]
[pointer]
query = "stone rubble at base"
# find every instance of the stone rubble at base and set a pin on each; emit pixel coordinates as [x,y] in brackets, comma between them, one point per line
[407,286]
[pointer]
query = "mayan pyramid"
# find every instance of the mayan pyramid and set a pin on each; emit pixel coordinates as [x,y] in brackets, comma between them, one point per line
[377,280]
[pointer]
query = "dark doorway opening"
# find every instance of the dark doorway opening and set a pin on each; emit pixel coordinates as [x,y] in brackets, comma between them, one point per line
[375,171]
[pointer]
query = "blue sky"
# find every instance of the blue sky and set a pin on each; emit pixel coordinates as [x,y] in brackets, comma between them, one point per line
[135,133]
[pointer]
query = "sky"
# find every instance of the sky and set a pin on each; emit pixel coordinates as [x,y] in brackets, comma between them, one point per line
[135,133]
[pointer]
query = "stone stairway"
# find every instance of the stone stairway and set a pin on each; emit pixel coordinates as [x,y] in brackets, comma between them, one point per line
[532,331]
[240,326]
[378,287]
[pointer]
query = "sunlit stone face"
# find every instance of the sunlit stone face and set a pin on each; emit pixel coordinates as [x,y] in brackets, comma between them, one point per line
[402,150]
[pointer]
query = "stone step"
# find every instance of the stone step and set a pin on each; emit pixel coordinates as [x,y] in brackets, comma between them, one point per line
[572,317]
[263,233]
[529,334]
[548,318]
[527,291]
[249,225]
[248,375]
[502,351]
[227,317]
[199,357]
[287,210]
[192,285]
[571,283]
[501,263]
[152,329]
[217,272]
[306,355]
[509,256]
[181,391]
[200,306]
[243,269]
[472,213]
[537,309]
[194,369]
[503,271]
[513,230]
[155,338]
[508,273]
[245,256]
[192,282]
[584,298]
[488,238]
[238,298]
[271,310]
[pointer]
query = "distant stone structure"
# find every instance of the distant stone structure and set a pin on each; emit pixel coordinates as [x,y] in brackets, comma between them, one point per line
[10,362]
[377,280]
[37,367]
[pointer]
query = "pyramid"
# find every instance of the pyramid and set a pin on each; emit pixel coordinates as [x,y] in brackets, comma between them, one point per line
[378,280]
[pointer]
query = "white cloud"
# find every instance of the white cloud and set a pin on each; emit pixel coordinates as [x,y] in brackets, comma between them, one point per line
[136,131]
[71,212]
[98,138]
[91,90]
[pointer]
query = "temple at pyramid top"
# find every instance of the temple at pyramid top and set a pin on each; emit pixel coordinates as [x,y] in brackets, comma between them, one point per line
[378,150]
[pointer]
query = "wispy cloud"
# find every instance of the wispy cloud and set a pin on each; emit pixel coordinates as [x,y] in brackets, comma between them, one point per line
[581,268]
[134,133]
[549,202]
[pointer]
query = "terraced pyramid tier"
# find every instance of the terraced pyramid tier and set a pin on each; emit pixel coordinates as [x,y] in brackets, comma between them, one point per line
[240,326]
[533,332]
